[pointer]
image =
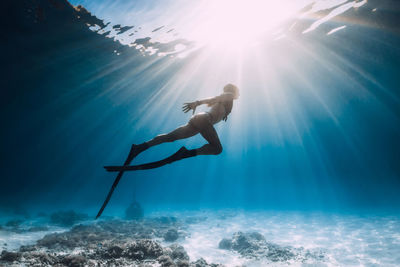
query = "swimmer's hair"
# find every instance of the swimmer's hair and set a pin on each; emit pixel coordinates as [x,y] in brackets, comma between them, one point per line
[230,88]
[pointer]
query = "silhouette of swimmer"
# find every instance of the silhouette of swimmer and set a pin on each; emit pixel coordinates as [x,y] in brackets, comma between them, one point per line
[220,108]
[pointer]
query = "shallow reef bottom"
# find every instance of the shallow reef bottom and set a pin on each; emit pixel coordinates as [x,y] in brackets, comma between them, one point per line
[204,238]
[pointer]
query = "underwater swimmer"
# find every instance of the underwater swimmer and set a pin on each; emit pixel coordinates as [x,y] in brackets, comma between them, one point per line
[220,108]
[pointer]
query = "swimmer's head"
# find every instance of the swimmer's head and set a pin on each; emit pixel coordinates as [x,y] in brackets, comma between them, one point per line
[230,88]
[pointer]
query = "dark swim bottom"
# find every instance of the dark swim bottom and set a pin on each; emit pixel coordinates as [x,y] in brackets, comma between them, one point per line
[201,121]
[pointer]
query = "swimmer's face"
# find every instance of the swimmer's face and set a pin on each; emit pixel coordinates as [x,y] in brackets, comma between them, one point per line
[236,94]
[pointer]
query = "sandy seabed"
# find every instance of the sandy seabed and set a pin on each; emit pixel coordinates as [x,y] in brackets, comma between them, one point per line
[208,238]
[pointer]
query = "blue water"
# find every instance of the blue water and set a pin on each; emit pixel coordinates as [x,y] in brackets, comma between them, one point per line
[316,128]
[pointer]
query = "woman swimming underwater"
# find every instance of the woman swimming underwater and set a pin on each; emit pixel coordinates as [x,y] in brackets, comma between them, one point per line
[220,108]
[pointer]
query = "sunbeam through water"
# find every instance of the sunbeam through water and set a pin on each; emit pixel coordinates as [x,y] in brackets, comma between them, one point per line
[307,168]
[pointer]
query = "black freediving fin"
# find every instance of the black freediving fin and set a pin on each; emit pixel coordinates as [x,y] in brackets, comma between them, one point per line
[116,181]
[114,185]
[180,154]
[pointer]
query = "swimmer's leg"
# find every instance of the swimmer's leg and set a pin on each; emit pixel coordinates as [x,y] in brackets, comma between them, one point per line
[214,146]
[182,132]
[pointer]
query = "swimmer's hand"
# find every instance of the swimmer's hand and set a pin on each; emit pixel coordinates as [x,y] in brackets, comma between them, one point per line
[188,106]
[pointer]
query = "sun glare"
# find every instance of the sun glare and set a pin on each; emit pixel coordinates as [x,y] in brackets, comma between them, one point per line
[238,23]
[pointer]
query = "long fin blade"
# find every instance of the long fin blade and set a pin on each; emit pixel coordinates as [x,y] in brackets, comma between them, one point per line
[114,185]
[116,181]
[152,165]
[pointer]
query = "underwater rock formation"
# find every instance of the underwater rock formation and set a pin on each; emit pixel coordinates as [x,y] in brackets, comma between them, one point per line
[93,234]
[14,223]
[143,249]
[134,211]
[203,263]
[171,235]
[253,245]
[8,256]
[113,242]
[110,242]
[74,260]
[13,226]
[177,252]
[37,229]
[67,218]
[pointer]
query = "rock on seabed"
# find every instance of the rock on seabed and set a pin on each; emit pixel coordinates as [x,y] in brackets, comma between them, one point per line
[253,245]
[107,243]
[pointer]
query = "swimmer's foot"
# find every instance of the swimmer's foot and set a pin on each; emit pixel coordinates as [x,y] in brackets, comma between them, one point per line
[182,153]
[136,150]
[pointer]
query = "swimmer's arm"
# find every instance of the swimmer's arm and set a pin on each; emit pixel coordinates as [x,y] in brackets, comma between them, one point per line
[209,101]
